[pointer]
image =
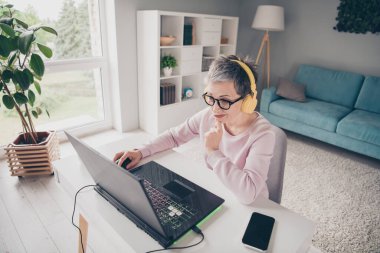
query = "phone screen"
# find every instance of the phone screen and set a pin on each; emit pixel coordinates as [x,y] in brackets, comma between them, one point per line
[259,231]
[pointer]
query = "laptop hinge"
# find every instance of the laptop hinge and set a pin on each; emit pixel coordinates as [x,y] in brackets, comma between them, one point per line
[164,241]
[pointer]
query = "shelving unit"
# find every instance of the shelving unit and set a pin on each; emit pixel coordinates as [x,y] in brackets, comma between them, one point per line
[199,39]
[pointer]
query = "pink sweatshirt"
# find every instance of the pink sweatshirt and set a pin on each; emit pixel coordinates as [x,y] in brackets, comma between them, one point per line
[242,161]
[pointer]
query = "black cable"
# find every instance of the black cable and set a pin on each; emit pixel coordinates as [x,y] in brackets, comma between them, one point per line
[72,217]
[196,230]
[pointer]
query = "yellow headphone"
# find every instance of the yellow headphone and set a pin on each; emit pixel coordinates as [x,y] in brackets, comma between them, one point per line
[250,101]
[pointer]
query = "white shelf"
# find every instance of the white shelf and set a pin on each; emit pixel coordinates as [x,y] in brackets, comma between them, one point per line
[163,47]
[202,38]
[169,77]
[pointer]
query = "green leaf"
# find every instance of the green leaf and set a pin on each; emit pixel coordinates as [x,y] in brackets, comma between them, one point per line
[37,64]
[18,88]
[7,30]
[9,6]
[38,110]
[6,76]
[22,78]
[31,97]
[6,46]
[38,87]
[35,114]
[25,41]
[12,59]
[23,24]
[29,74]
[1,87]
[49,30]
[45,50]
[20,98]
[8,102]
[8,21]
[37,76]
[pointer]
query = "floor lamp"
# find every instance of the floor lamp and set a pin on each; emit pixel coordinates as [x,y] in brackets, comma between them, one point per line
[267,18]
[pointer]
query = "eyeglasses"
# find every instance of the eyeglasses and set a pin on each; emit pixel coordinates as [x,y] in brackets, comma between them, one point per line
[222,103]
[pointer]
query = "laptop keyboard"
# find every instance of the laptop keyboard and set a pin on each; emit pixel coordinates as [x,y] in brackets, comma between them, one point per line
[170,212]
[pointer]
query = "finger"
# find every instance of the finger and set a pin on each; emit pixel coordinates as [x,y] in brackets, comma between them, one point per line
[218,124]
[118,155]
[208,134]
[135,159]
[132,164]
[219,127]
[122,159]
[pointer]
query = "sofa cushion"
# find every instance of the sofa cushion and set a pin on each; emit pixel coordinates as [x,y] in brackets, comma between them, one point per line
[361,125]
[369,95]
[338,87]
[312,112]
[288,89]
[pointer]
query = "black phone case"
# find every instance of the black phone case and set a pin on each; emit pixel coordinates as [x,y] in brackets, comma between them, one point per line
[259,231]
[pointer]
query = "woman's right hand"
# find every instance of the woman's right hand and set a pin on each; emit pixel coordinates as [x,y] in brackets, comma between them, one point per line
[134,155]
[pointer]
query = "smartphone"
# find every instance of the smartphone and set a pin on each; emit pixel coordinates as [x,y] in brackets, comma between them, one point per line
[258,232]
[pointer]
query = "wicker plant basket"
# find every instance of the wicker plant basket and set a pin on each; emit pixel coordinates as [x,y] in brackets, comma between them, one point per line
[33,159]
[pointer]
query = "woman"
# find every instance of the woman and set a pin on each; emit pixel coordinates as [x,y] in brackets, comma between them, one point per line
[238,141]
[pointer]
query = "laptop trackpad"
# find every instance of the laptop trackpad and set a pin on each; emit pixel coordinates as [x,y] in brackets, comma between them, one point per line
[178,188]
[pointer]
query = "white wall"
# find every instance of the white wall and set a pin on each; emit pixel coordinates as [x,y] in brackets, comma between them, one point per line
[309,38]
[123,48]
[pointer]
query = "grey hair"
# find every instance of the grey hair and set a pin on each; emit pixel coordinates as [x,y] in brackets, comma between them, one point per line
[223,69]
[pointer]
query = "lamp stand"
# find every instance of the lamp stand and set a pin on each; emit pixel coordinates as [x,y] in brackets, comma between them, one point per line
[266,66]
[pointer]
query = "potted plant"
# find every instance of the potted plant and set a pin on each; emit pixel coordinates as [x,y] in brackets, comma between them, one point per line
[168,62]
[21,70]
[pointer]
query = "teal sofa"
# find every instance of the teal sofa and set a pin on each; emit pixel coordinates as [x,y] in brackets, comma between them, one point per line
[341,108]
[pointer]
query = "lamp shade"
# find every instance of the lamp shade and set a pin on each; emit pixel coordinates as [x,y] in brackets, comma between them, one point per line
[269,18]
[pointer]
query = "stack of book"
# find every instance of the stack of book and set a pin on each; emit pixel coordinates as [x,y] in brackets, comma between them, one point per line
[188,35]
[206,62]
[167,93]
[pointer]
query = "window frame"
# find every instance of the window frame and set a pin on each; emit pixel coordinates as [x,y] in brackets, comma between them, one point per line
[88,63]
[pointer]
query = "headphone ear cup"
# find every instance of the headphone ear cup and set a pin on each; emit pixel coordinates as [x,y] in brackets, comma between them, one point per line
[249,104]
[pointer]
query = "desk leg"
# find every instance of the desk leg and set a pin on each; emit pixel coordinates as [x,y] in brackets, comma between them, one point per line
[83,225]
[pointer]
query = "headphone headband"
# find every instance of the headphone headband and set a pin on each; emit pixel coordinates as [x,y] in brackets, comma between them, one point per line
[250,101]
[249,73]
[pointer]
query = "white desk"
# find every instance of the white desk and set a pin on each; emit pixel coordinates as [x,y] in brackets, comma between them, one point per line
[223,232]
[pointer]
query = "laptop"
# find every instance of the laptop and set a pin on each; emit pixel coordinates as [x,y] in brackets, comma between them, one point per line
[159,201]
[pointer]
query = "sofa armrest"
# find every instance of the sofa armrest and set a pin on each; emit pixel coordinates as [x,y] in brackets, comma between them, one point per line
[267,96]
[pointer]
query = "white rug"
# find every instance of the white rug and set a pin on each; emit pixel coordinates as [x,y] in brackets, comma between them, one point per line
[337,189]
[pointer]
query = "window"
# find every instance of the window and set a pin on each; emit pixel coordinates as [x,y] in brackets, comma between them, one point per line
[74,86]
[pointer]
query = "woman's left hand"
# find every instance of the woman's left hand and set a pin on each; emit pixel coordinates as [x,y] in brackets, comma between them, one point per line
[213,137]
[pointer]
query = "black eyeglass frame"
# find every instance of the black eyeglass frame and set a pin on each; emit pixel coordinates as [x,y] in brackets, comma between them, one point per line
[218,101]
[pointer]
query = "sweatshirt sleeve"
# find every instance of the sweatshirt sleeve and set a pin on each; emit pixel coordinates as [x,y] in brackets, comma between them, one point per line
[174,137]
[247,183]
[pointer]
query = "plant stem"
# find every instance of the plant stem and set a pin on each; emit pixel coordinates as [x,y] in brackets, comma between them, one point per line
[23,63]
[33,132]
[25,124]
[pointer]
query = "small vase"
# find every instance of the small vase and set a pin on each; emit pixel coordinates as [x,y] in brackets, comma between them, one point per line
[168,71]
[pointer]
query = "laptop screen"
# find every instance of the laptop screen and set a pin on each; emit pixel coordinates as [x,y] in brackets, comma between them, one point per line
[121,184]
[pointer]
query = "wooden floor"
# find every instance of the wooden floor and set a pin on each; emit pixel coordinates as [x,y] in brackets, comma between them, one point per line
[35,215]
[35,212]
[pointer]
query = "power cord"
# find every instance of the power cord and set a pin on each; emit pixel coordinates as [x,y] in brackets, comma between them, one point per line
[72,217]
[196,230]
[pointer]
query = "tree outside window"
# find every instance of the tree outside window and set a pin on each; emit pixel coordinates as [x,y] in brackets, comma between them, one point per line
[72,87]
